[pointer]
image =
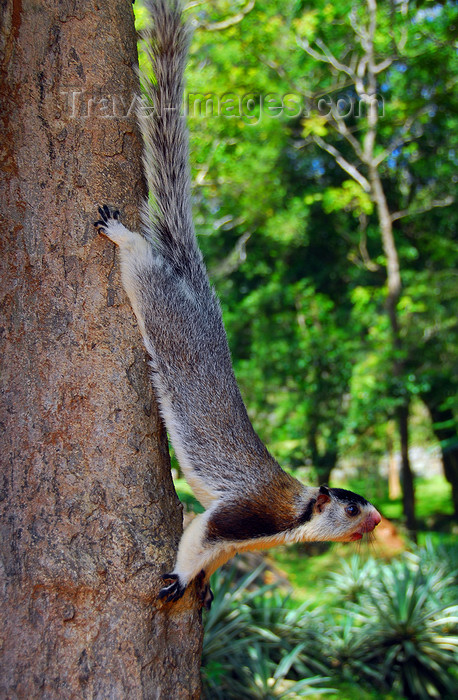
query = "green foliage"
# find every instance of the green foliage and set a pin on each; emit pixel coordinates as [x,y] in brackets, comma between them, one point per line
[411,631]
[395,631]
[433,501]
[186,496]
[399,625]
[294,242]
[438,560]
[355,578]
[254,643]
[304,305]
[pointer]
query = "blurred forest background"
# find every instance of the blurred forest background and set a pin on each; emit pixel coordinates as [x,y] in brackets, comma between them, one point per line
[324,157]
[328,221]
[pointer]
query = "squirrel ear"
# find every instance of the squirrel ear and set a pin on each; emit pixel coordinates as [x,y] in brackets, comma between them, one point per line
[324,489]
[321,501]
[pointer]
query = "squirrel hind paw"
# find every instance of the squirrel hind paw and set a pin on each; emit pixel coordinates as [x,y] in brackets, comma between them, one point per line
[206,596]
[204,592]
[173,591]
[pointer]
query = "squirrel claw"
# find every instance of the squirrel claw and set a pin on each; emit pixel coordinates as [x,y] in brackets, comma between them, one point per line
[206,597]
[169,577]
[173,591]
[106,214]
[205,593]
[100,226]
[107,217]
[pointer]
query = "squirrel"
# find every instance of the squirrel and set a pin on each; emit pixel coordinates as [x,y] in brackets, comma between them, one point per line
[250,502]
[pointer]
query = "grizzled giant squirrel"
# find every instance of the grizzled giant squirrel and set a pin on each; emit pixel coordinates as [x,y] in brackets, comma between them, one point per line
[250,501]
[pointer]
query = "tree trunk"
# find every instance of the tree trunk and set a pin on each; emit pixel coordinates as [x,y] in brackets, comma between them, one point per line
[444,427]
[89,517]
[394,484]
[393,296]
[324,465]
[408,493]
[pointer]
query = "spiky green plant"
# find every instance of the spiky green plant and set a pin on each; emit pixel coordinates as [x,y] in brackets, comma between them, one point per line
[354,579]
[395,630]
[441,562]
[283,625]
[413,633]
[228,631]
[349,646]
[400,632]
[257,645]
[262,678]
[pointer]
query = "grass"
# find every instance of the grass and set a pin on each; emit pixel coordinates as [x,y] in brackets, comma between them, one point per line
[433,500]
[307,571]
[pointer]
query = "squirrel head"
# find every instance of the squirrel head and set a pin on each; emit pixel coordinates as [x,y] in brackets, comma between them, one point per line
[337,515]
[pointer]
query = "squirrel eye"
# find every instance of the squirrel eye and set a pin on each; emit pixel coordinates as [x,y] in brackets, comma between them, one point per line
[352,510]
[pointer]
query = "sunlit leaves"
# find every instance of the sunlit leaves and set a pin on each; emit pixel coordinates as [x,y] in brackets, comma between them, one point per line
[350,197]
[304,304]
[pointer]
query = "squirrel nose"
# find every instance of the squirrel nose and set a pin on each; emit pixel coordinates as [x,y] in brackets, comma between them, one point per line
[377,518]
[371,521]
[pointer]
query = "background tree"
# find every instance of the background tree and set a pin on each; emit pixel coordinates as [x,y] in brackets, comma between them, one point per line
[302,234]
[89,516]
[386,46]
[363,68]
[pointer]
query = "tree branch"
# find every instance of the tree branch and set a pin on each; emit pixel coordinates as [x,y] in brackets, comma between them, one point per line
[421,210]
[343,162]
[230,21]
[235,258]
[340,126]
[341,67]
[383,65]
[325,57]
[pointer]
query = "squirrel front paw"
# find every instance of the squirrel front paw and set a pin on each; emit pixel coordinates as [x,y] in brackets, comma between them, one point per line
[111,227]
[174,591]
[108,219]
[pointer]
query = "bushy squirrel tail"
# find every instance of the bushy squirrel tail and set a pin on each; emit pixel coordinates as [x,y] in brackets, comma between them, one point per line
[168,219]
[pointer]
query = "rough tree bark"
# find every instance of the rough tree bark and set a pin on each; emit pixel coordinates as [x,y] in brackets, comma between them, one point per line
[89,517]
